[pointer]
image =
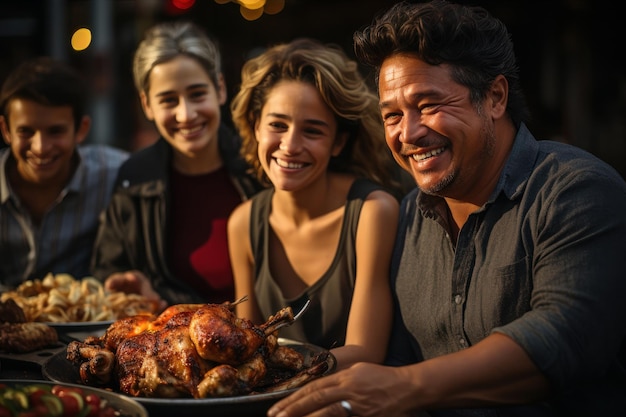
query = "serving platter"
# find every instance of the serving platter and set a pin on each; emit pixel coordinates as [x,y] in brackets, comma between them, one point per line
[57,368]
[123,405]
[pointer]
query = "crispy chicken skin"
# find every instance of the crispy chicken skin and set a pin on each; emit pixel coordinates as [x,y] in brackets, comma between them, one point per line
[222,337]
[189,350]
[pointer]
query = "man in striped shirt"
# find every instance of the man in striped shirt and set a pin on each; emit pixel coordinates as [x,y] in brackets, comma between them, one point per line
[52,188]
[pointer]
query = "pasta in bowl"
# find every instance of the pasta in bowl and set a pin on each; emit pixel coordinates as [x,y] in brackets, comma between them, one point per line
[61,298]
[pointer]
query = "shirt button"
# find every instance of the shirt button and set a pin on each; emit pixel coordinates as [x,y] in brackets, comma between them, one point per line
[458,299]
[462,342]
[125,183]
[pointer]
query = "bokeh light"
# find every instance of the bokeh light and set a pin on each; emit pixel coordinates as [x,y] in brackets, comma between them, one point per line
[274,6]
[250,14]
[81,39]
[252,4]
[183,4]
[254,9]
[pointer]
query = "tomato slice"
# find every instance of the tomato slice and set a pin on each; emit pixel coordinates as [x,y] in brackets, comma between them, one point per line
[92,410]
[73,403]
[53,404]
[93,399]
[34,395]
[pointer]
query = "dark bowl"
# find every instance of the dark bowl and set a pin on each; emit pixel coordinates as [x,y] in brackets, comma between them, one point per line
[124,405]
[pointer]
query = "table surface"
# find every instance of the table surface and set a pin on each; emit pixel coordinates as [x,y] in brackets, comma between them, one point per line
[20,370]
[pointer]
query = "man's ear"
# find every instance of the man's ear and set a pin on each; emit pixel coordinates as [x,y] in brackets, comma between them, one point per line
[83,129]
[4,128]
[145,106]
[497,97]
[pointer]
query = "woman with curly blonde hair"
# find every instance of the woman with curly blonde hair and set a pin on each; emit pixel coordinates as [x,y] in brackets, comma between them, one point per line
[324,229]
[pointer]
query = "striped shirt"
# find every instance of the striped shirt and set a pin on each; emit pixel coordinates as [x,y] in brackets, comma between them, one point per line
[63,241]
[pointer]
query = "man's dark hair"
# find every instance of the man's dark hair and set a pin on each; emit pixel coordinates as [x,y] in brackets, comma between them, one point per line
[48,82]
[476,46]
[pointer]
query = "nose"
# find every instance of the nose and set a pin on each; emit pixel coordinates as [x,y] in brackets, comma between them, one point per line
[185,111]
[38,143]
[411,128]
[290,142]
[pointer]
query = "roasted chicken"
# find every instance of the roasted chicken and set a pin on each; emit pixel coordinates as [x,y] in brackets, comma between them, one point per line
[191,350]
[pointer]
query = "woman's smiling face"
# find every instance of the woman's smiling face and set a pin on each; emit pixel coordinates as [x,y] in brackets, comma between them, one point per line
[184,104]
[296,135]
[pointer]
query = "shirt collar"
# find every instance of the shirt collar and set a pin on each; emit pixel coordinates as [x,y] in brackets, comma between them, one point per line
[5,189]
[519,165]
[80,174]
[78,178]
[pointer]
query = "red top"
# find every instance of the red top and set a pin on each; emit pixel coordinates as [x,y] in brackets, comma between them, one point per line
[198,245]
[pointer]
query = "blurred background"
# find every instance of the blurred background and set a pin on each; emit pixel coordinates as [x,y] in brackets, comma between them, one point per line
[568,53]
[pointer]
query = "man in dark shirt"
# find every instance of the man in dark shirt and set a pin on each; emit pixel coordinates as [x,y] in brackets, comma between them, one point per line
[508,270]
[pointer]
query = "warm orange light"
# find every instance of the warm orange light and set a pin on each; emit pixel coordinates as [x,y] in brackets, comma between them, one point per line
[274,6]
[252,4]
[254,9]
[250,14]
[81,39]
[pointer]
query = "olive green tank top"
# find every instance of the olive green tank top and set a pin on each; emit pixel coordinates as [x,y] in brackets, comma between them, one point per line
[324,323]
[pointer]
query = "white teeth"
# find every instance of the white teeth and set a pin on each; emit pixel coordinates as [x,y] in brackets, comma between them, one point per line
[290,165]
[190,131]
[422,156]
[41,161]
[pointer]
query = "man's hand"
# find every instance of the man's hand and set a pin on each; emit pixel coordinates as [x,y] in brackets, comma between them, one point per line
[134,282]
[370,389]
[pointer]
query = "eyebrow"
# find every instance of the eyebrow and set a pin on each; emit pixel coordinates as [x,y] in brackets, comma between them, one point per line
[311,121]
[190,87]
[414,97]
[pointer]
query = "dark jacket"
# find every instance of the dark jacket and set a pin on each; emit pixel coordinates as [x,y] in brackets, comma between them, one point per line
[133,230]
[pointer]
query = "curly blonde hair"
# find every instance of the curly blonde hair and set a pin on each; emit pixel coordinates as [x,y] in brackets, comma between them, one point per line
[343,89]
